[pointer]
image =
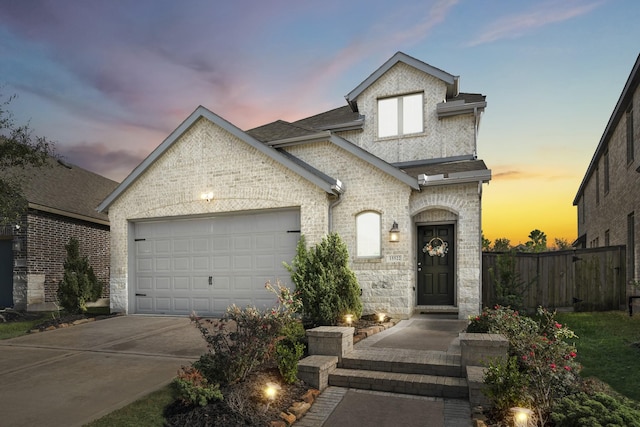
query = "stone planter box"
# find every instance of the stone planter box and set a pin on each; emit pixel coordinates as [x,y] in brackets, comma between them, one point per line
[481,349]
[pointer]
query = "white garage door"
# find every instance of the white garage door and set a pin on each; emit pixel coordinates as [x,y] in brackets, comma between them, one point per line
[206,264]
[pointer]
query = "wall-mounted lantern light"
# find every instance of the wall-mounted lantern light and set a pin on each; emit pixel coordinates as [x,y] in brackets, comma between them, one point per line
[207,196]
[394,233]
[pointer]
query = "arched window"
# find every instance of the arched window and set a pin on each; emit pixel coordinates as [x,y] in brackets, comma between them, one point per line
[368,234]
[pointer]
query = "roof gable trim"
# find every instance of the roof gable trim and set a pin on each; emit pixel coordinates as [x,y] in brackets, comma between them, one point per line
[451,80]
[202,112]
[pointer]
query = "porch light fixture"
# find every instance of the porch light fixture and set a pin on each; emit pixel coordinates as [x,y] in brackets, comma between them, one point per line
[207,196]
[521,416]
[394,233]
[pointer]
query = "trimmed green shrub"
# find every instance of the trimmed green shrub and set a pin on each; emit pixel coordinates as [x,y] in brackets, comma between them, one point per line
[287,355]
[596,410]
[79,284]
[192,388]
[506,386]
[326,284]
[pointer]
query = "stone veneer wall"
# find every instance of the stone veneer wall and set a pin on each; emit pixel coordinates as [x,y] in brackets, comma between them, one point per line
[39,261]
[459,204]
[207,158]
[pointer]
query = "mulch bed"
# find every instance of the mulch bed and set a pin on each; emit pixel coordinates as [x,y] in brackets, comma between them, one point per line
[56,321]
[244,404]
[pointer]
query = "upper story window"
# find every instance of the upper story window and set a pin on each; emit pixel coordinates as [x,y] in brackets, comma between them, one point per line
[368,234]
[400,115]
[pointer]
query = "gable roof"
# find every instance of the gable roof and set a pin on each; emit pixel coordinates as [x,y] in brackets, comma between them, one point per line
[304,137]
[451,80]
[202,112]
[621,106]
[64,189]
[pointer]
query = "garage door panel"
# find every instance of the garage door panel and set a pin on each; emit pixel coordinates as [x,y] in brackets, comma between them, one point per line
[162,264]
[221,283]
[201,264]
[242,243]
[162,247]
[239,252]
[221,262]
[181,264]
[162,304]
[181,283]
[162,283]
[200,246]
[144,265]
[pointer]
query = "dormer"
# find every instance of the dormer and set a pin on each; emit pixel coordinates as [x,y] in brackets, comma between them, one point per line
[411,111]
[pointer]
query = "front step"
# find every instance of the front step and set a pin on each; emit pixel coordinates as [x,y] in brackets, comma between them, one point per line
[405,383]
[424,363]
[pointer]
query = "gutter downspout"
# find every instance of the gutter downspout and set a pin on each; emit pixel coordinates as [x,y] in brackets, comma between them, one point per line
[476,127]
[332,205]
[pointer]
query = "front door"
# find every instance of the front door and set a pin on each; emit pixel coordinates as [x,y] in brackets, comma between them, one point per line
[436,272]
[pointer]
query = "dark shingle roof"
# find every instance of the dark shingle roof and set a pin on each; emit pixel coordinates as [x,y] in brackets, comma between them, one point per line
[279,130]
[330,118]
[468,97]
[66,188]
[445,168]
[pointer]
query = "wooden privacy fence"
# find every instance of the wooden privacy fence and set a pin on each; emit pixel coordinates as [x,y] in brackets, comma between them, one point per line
[585,279]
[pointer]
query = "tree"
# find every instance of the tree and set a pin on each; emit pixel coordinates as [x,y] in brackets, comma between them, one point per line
[502,244]
[562,244]
[328,287]
[79,283]
[19,148]
[486,244]
[537,241]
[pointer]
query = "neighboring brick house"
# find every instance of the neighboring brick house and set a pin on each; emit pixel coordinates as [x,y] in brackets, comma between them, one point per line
[608,199]
[213,212]
[62,201]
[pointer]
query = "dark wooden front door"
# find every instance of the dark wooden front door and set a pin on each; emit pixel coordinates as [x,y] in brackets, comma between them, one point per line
[436,274]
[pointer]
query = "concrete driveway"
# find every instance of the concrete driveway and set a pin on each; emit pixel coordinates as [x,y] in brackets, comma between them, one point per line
[71,376]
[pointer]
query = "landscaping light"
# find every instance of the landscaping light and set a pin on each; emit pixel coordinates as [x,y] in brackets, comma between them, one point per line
[271,391]
[207,196]
[381,317]
[348,318]
[394,233]
[521,416]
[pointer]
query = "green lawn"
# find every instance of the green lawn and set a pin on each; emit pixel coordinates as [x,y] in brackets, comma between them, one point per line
[608,348]
[16,329]
[146,412]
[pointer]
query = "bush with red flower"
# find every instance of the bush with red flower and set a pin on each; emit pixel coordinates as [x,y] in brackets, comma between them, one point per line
[544,351]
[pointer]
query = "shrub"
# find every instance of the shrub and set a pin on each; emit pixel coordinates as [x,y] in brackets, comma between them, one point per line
[596,410]
[506,386]
[328,287]
[238,343]
[79,283]
[287,355]
[193,389]
[509,287]
[542,350]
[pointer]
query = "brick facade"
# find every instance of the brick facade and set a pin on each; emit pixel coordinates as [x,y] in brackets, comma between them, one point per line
[608,200]
[39,254]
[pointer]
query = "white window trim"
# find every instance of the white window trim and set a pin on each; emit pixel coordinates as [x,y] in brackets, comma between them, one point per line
[400,120]
[368,242]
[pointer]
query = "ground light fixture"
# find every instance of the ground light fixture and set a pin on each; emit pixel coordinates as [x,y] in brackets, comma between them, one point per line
[270,392]
[381,317]
[348,318]
[521,416]
[394,233]
[207,196]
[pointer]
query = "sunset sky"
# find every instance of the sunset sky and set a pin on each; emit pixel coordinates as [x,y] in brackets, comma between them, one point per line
[108,80]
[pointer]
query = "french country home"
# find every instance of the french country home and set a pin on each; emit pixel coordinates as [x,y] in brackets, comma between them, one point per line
[213,212]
